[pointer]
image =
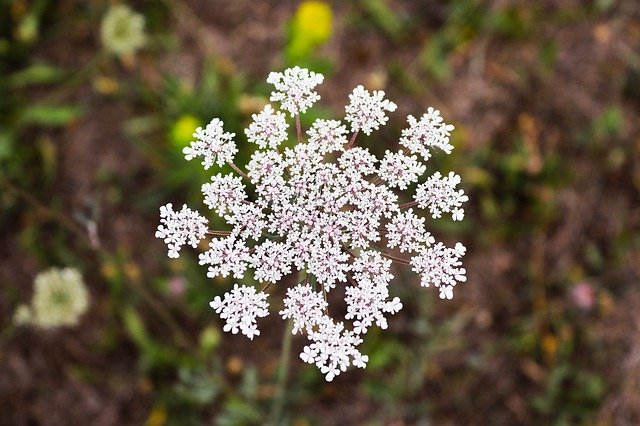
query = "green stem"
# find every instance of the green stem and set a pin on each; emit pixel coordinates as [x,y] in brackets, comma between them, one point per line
[283,372]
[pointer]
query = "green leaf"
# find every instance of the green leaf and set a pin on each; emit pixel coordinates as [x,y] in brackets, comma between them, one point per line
[384,17]
[49,115]
[36,74]
[134,325]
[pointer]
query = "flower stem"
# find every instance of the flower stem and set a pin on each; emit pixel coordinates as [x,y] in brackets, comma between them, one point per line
[298,128]
[283,372]
[221,233]
[409,204]
[240,172]
[397,259]
[353,139]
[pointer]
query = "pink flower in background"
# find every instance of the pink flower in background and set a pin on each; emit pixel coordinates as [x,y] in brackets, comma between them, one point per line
[582,295]
[177,286]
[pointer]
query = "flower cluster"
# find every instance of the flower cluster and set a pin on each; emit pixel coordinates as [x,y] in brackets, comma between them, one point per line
[326,208]
[122,30]
[240,307]
[60,298]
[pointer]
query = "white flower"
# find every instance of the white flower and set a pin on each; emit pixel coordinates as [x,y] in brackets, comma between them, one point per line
[446,292]
[294,89]
[223,193]
[399,170]
[226,256]
[248,220]
[240,308]
[305,306]
[179,228]
[439,265]
[372,266]
[271,261]
[366,304]
[324,207]
[439,195]
[327,135]
[213,144]
[366,112]
[265,165]
[22,315]
[268,129]
[429,132]
[329,264]
[407,231]
[358,161]
[122,30]
[60,298]
[333,348]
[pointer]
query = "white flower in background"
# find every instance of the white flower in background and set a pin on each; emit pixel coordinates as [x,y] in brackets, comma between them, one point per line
[59,299]
[240,308]
[179,228]
[22,315]
[213,144]
[294,89]
[326,208]
[366,111]
[122,30]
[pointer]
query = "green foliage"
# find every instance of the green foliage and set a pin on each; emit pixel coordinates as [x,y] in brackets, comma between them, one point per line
[384,17]
[571,396]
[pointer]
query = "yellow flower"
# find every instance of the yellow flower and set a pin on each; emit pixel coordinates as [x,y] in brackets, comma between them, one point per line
[311,26]
[181,132]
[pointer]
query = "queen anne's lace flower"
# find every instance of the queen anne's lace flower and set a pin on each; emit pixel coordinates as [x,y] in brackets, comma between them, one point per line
[407,231]
[271,261]
[223,193]
[366,111]
[60,297]
[122,30]
[439,265]
[358,161]
[327,135]
[213,144]
[268,129]
[240,308]
[179,228]
[294,89]
[429,132]
[439,195]
[304,306]
[333,349]
[399,170]
[324,207]
[226,256]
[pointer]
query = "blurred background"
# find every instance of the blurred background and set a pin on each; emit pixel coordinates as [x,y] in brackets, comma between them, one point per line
[98,98]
